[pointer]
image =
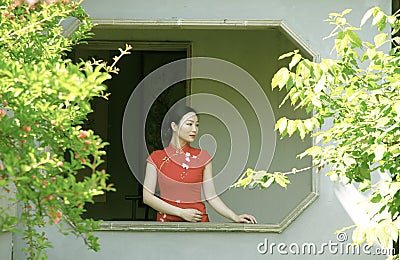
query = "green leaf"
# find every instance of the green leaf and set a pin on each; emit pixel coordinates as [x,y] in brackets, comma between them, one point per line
[379,151]
[378,17]
[380,39]
[341,21]
[371,53]
[396,39]
[244,182]
[364,186]
[280,78]
[308,123]
[296,58]
[316,122]
[382,236]
[282,180]
[268,182]
[395,31]
[365,172]
[341,42]
[382,23]
[366,16]
[394,188]
[281,124]
[346,11]
[370,235]
[396,108]
[286,55]
[354,38]
[358,236]
[383,121]
[291,126]
[320,85]
[350,91]
[348,160]
[313,151]
[302,129]
[289,83]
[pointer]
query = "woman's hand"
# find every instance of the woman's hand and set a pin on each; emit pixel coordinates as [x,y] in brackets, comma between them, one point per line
[191,215]
[245,218]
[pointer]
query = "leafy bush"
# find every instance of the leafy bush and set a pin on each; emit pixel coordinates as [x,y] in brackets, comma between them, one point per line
[44,98]
[359,93]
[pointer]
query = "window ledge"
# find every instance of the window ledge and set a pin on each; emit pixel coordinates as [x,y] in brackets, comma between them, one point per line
[153,226]
[146,226]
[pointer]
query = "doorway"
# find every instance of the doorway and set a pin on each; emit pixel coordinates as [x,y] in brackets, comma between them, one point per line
[106,120]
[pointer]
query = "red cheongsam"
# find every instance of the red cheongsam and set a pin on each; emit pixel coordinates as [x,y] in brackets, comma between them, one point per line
[180,178]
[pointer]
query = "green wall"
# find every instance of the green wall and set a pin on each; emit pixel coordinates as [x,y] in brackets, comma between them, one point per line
[257,52]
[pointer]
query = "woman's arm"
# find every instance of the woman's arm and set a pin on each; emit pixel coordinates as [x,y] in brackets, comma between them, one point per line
[216,203]
[149,187]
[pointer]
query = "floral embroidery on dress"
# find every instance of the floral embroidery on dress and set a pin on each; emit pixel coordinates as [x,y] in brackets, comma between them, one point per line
[165,160]
[163,217]
[187,157]
[184,174]
[185,166]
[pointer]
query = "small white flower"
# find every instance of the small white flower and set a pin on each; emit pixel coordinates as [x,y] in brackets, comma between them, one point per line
[194,157]
[187,159]
[185,166]
[187,154]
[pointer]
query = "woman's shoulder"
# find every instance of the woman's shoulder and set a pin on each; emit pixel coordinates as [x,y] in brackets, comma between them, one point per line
[157,154]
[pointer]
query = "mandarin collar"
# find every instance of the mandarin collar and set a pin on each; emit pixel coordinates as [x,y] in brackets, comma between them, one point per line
[172,149]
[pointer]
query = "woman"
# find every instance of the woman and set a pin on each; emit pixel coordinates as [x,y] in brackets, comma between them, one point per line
[181,172]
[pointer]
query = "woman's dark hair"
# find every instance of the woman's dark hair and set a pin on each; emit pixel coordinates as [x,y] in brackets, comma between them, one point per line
[175,114]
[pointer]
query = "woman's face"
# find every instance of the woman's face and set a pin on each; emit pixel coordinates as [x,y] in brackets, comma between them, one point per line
[188,127]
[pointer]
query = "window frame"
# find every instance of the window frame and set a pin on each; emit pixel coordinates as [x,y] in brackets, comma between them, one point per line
[153,226]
